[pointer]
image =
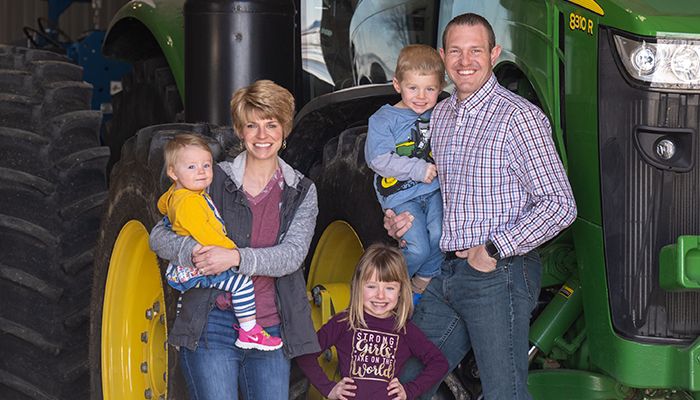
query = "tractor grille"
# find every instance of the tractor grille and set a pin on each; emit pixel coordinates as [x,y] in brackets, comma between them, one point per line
[644,207]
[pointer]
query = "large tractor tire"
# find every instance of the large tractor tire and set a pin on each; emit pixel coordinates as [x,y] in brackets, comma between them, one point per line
[131,306]
[52,189]
[148,97]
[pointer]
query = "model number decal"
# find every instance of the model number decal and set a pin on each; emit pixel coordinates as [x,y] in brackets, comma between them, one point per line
[580,23]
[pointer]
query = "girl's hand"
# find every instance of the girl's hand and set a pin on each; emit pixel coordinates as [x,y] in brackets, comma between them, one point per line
[343,389]
[212,260]
[396,390]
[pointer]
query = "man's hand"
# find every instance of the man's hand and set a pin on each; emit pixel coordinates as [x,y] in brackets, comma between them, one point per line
[430,173]
[397,225]
[478,258]
[396,390]
[343,389]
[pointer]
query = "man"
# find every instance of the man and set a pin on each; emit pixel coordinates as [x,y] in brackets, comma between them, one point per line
[504,192]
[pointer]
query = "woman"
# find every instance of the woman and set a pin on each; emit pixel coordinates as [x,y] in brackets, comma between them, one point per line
[269,210]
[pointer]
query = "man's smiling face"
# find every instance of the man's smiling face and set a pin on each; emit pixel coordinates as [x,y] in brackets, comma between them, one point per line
[467,57]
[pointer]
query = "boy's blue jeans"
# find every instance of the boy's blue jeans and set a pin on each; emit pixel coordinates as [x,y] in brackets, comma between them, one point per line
[422,251]
[218,370]
[463,308]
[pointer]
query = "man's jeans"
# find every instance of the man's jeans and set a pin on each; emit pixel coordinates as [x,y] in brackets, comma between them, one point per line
[463,307]
[422,251]
[218,369]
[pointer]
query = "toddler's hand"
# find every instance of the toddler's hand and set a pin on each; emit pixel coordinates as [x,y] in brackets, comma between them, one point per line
[343,389]
[396,390]
[430,173]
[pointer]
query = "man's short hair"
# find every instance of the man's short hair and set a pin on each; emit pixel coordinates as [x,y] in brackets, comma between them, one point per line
[470,19]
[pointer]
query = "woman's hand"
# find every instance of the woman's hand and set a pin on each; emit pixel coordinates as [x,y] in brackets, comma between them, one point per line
[396,390]
[212,260]
[343,389]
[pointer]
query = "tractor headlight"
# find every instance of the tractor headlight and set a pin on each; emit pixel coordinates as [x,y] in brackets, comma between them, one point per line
[662,63]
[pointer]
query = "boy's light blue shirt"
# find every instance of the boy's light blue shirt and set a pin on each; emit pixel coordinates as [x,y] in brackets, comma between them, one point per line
[388,127]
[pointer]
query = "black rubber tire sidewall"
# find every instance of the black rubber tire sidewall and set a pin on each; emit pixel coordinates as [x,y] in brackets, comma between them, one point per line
[52,188]
[148,97]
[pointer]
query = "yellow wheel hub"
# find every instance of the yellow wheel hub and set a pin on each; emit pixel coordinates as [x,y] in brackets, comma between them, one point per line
[134,327]
[330,273]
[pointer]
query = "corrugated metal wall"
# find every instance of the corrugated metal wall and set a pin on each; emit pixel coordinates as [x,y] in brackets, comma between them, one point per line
[16,14]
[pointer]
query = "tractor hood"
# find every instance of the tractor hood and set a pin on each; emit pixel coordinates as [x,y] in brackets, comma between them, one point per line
[652,17]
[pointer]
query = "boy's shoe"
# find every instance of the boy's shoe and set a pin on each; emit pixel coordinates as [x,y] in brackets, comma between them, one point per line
[257,338]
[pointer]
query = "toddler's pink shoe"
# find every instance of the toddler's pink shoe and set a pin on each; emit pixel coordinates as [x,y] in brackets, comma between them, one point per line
[257,338]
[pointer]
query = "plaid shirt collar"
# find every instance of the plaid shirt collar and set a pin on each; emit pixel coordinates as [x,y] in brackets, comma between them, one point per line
[476,100]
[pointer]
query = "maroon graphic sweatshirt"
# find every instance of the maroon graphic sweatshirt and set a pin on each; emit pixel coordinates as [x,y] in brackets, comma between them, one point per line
[372,357]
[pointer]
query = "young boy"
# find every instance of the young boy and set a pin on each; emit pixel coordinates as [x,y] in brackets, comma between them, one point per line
[191,212]
[398,151]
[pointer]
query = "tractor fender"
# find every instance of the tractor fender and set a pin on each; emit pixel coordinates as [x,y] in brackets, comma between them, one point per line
[325,117]
[145,29]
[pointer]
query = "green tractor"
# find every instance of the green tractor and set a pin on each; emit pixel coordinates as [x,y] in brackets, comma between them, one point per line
[619,80]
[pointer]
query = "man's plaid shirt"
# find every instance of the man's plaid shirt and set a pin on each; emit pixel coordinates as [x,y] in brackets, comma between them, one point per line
[500,175]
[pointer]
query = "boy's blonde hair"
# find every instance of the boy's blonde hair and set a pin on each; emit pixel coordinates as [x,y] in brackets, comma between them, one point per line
[390,266]
[179,142]
[422,59]
[262,99]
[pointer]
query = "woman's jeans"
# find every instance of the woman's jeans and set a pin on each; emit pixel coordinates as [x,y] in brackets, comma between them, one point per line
[422,250]
[490,312]
[218,370]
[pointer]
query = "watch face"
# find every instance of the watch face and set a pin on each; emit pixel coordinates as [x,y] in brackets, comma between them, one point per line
[491,250]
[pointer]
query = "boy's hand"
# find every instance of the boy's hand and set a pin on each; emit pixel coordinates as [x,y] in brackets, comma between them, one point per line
[396,390]
[343,390]
[430,173]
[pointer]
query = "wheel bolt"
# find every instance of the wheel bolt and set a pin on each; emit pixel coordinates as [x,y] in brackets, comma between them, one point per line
[148,393]
[144,367]
[149,314]
[156,306]
[162,319]
[165,377]
[144,337]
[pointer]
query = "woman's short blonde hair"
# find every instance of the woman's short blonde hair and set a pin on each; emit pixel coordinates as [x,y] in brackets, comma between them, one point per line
[390,266]
[262,99]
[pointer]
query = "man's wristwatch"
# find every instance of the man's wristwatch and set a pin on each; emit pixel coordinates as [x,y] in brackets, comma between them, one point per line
[492,250]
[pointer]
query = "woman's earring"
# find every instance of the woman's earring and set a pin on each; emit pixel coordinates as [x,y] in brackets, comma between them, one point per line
[284,144]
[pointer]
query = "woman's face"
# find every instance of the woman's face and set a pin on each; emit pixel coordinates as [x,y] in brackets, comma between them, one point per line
[262,138]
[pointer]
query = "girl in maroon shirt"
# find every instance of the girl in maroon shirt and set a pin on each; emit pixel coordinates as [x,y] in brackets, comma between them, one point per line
[374,337]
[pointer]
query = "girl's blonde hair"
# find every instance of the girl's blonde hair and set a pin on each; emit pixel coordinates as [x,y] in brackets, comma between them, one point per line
[262,99]
[389,265]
